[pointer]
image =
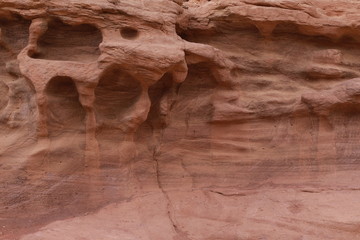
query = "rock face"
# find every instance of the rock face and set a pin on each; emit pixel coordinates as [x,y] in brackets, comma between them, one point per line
[183,120]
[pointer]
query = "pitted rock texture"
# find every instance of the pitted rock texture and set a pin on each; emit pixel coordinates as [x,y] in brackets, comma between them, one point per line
[183,120]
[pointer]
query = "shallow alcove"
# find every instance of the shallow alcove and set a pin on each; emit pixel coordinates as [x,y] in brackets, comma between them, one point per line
[156,93]
[286,28]
[156,120]
[194,101]
[190,105]
[14,33]
[65,113]
[129,33]
[200,78]
[116,94]
[70,42]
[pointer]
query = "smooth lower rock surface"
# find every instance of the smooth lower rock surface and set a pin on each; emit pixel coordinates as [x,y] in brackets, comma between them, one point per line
[179,120]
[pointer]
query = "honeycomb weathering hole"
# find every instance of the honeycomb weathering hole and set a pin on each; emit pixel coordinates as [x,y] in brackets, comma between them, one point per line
[70,43]
[65,113]
[129,33]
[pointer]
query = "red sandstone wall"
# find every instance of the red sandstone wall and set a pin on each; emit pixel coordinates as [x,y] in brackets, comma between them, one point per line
[184,120]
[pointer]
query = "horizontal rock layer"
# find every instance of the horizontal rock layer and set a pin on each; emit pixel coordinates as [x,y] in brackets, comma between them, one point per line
[159,119]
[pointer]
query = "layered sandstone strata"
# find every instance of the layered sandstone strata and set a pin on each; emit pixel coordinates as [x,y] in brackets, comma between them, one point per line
[160,119]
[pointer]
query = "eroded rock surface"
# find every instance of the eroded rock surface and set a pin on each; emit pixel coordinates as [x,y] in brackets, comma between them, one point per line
[183,120]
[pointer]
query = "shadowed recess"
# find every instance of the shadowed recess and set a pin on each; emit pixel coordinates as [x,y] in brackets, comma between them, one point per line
[129,33]
[190,107]
[65,113]
[14,34]
[116,94]
[156,92]
[4,91]
[200,77]
[70,43]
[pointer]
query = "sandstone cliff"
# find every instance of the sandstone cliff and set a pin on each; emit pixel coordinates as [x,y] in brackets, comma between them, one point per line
[184,120]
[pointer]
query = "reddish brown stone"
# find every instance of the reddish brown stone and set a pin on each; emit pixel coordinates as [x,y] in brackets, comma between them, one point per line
[183,120]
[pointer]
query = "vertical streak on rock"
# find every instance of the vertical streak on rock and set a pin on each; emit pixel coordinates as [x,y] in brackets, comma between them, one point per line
[179,75]
[170,208]
[87,99]
[42,103]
